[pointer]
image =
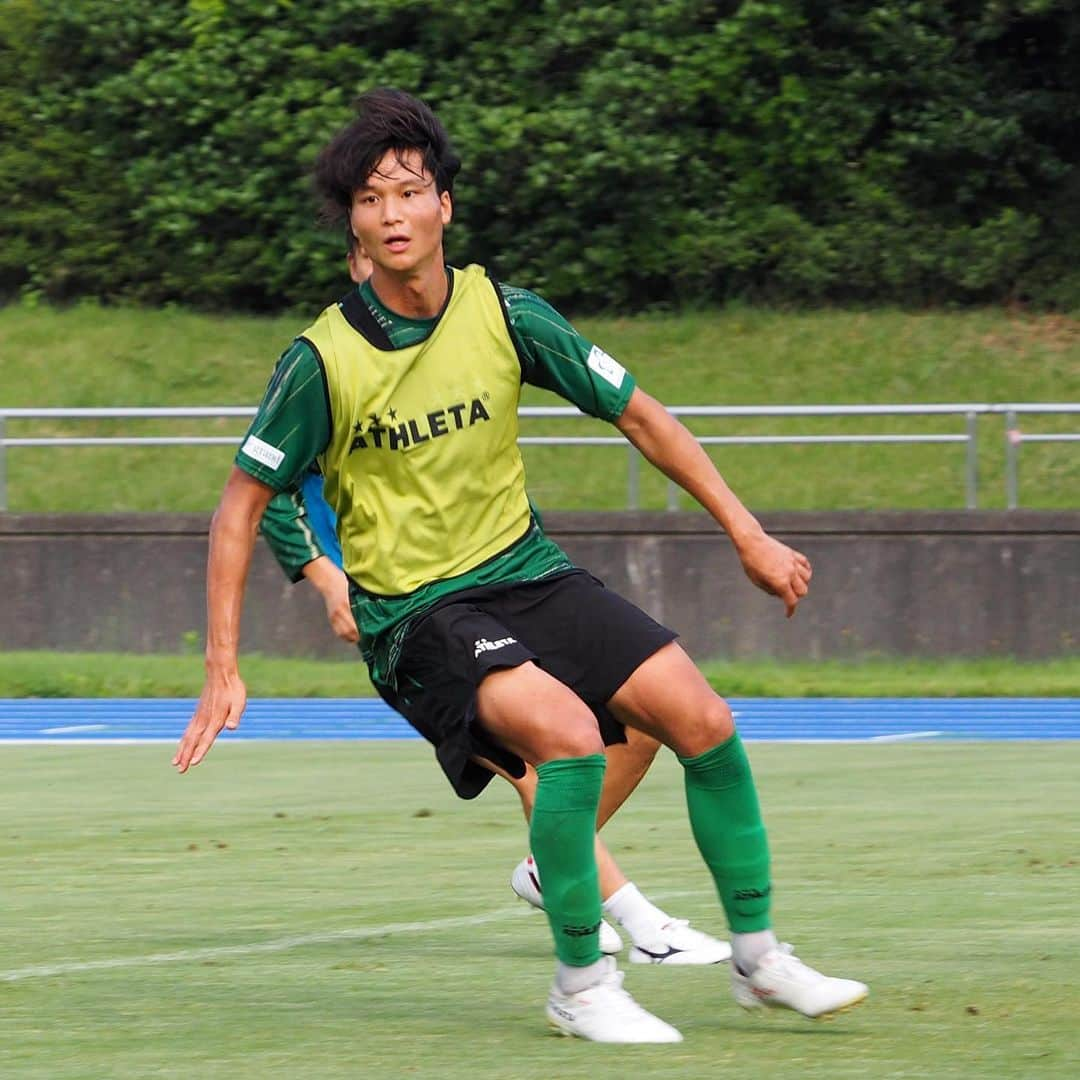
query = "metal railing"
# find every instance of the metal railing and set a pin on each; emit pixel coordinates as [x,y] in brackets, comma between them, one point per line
[968,436]
[968,413]
[1014,437]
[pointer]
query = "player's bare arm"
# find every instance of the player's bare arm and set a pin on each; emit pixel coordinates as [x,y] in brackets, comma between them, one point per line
[333,587]
[232,540]
[667,444]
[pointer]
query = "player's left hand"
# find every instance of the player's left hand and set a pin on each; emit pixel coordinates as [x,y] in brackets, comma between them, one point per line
[777,569]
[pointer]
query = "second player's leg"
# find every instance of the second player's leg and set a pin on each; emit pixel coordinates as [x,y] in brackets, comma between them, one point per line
[627,764]
[610,876]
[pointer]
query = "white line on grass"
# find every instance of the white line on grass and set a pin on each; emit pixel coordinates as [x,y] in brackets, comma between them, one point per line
[216,952]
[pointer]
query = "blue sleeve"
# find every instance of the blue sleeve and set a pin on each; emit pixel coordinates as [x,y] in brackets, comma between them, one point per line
[299,527]
[321,517]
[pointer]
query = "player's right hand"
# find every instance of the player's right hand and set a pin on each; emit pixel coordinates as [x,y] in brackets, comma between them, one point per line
[221,705]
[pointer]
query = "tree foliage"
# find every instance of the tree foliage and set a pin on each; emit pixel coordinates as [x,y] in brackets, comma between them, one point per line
[616,155]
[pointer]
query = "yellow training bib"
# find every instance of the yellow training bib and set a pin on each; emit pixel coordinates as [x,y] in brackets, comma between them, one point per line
[423,468]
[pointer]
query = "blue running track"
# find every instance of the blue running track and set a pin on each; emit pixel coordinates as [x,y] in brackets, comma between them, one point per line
[79,720]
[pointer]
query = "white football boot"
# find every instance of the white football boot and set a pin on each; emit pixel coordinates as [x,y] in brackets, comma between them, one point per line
[677,942]
[606,1013]
[525,881]
[782,981]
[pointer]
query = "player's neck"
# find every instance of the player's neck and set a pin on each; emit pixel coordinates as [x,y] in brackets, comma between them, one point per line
[418,293]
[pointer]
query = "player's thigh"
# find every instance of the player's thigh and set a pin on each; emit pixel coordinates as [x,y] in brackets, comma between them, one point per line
[586,636]
[669,699]
[535,716]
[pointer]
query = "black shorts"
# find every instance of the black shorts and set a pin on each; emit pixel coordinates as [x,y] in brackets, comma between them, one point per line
[587,637]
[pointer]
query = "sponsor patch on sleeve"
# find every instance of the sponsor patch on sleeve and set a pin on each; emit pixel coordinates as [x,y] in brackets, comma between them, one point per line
[263,452]
[607,367]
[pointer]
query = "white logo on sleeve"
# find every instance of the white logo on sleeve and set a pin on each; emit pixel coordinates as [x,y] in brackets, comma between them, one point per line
[607,367]
[483,645]
[263,452]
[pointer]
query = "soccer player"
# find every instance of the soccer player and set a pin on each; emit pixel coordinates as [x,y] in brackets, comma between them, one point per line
[473,622]
[301,531]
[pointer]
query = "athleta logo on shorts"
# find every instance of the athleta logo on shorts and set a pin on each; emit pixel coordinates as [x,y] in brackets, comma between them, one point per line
[483,645]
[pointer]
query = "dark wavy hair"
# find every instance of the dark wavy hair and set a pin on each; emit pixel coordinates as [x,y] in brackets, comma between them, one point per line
[387,120]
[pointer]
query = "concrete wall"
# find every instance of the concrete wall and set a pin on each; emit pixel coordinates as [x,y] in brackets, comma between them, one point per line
[910,584]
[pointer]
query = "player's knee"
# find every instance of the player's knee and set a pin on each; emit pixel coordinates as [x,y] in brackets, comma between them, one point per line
[715,724]
[573,739]
[584,745]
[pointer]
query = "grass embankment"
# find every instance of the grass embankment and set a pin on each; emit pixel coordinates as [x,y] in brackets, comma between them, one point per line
[306,911]
[37,674]
[91,356]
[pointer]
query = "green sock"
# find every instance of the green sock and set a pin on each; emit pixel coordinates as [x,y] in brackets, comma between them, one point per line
[726,821]
[562,833]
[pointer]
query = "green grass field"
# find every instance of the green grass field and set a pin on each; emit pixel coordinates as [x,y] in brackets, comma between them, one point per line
[92,356]
[331,911]
[124,675]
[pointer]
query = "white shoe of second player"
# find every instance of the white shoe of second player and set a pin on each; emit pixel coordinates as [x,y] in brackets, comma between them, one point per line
[605,1012]
[525,881]
[781,980]
[677,942]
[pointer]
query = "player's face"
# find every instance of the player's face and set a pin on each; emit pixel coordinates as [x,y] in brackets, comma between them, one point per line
[398,217]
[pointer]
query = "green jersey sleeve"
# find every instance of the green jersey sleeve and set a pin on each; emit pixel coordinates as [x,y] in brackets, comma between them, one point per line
[292,425]
[289,535]
[556,357]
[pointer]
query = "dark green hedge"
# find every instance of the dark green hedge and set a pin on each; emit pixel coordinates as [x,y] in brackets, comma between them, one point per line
[616,155]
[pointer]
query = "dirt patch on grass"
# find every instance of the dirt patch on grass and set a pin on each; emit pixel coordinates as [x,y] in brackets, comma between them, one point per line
[1058,333]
